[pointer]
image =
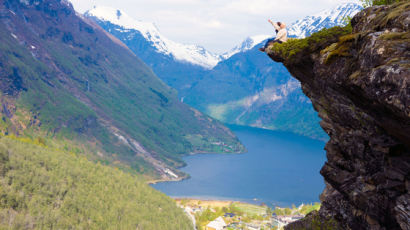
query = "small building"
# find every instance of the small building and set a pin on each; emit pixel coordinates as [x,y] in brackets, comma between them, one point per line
[217,224]
[281,221]
[253,227]
[233,225]
[297,217]
[195,210]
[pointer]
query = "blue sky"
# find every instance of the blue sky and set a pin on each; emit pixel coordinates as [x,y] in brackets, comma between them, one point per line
[218,25]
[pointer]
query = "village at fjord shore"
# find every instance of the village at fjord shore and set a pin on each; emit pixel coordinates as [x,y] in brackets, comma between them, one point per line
[235,215]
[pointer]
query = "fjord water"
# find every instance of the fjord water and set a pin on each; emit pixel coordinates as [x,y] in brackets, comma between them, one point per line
[278,169]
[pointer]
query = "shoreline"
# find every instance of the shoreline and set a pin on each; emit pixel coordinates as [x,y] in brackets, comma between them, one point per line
[221,202]
[254,202]
[214,201]
[187,176]
[151,182]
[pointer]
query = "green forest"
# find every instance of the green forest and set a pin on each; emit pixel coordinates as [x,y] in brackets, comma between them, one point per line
[43,187]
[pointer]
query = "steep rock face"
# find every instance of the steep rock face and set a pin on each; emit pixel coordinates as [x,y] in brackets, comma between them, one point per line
[359,84]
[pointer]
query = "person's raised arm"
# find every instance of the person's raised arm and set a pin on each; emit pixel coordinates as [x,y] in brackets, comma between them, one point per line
[274,24]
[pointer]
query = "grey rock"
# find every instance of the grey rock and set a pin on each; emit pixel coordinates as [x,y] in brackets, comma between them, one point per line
[363,97]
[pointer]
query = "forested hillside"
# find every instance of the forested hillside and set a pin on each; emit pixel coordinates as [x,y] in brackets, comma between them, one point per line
[43,187]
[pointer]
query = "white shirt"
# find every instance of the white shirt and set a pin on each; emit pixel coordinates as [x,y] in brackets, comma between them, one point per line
[282,33]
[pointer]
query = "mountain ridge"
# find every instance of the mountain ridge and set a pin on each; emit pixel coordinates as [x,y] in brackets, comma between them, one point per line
[247,44]
[324,19]
[185,53]
[64,76]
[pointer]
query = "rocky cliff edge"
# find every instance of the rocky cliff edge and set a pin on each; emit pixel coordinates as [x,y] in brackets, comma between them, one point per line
[358,80]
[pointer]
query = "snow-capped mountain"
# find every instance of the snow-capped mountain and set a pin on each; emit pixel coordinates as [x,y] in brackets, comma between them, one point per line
[186,53]
[325,19]
[247,44]
[198,55]
[203,79]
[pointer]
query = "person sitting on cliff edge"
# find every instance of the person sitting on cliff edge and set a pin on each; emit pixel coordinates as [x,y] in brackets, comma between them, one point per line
[281,34]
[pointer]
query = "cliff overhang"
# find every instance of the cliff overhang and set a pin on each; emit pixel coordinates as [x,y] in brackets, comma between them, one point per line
[358,80]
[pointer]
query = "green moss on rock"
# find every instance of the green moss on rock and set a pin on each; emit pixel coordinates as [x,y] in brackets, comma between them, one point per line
[314,221]
[396,36]
[396,10]
[294,49]
[341,48]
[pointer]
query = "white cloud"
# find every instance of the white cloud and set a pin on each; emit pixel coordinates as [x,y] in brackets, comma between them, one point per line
[217,25]
[213,24]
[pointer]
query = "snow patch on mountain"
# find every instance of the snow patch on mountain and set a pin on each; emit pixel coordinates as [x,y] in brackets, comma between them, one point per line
[247,44]
[325,19]
[186,53]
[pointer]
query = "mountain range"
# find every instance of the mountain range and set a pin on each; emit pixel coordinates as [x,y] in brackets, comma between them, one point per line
[241,86]
[64,77]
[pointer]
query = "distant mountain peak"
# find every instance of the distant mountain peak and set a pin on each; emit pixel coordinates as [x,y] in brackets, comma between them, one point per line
[119,14]
[185,53]
[328,18]
[247,44]
[122,19]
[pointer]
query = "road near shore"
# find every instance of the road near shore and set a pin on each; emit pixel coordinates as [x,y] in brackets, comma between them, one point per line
[192,217]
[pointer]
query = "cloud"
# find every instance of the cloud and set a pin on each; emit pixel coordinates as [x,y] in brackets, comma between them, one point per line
[217,25]
[213,24]
[255,7]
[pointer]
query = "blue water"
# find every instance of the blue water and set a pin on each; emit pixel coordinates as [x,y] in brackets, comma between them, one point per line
[278,169]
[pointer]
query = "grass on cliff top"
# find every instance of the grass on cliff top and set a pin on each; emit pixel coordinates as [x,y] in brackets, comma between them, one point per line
[295,48]
[344,45]
[367,3]
[396,10]
[45,188]
[341,48]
